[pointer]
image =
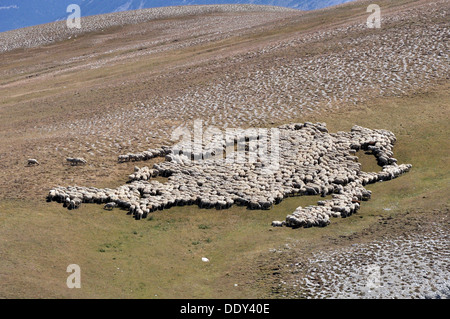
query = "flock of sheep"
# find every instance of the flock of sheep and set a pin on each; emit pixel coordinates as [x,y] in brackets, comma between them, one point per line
[57,31]
[310,161]
[267,84]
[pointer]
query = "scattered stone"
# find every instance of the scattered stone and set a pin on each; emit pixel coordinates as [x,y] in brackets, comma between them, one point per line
[310,161]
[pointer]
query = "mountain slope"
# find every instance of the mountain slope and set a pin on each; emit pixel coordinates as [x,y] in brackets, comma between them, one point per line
[127,88]
[15,14]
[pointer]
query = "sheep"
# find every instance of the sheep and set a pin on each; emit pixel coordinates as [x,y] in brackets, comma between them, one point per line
[123,158]
[74,203]
[110,206]
[33,162]
[276,223]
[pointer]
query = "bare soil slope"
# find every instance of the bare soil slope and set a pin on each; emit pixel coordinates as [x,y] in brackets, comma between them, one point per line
[125,87]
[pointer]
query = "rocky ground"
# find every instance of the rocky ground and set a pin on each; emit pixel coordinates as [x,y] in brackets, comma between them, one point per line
[345,66]
[415,263]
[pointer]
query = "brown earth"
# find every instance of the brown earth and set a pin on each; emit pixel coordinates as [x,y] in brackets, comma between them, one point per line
[125,89]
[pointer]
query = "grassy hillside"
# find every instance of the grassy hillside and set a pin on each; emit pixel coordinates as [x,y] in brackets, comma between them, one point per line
[106,93]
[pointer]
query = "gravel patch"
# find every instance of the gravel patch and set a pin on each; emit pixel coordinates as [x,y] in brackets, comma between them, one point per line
[58,31]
